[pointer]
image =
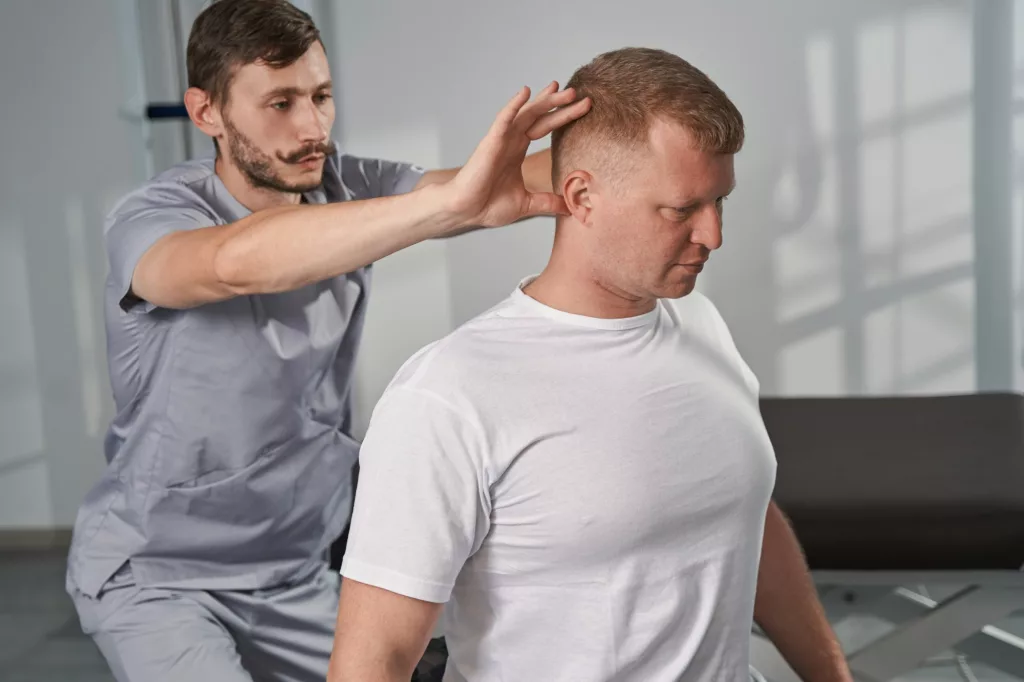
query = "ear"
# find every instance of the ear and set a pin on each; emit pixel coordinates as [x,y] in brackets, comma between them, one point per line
[576,190]
[203,113]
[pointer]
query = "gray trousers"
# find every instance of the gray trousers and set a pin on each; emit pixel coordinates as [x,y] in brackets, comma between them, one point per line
[161,635]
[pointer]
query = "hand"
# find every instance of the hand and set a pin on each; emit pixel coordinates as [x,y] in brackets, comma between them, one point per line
[488,190]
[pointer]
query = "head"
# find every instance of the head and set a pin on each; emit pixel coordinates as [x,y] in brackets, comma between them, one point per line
[260,86]
[645,173]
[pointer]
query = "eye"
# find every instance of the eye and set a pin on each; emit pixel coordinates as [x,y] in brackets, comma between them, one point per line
[684,213]
[281,105]
[322,97]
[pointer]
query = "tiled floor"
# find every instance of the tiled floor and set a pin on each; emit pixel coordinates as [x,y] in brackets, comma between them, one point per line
[41,641]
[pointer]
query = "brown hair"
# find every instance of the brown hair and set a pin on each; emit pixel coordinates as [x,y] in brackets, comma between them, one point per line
[232,33]
[632,86]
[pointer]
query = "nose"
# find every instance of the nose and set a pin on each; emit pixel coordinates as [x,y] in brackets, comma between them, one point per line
[314,125]
[708,230]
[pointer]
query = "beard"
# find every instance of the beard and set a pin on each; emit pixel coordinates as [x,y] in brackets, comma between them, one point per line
[258,167]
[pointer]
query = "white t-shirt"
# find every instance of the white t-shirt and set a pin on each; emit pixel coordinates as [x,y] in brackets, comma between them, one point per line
[588,495]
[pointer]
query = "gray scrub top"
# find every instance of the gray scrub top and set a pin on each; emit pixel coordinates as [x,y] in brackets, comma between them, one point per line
[229,458]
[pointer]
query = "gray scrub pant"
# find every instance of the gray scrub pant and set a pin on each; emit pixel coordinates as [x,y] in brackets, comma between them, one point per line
[162,635]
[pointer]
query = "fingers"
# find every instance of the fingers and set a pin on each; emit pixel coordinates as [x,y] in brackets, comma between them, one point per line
[542,102]
[507,116]
[536,118]
[548,99]
[545,203]
[558,118]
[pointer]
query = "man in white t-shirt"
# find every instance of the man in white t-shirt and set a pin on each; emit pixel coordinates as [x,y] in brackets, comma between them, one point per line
[581,473]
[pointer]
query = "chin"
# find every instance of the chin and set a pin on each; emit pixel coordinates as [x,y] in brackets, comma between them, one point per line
[307,184]
[677,289]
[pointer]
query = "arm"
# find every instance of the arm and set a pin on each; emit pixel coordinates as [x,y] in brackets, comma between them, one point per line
[788,610]
[536,170]
[536,173]
[285,248]
[422,508]
[380,635]
[288,247]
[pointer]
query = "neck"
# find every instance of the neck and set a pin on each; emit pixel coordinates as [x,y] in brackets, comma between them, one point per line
[570,284]
[253,198]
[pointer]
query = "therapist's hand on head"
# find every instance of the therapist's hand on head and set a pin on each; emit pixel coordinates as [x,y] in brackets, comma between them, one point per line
[488,190]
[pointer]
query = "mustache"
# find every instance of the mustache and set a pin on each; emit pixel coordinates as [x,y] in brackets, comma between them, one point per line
[327,148]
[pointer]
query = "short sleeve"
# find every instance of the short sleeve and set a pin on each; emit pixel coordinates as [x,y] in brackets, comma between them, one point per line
[373,178]
[139,221]
[422,503]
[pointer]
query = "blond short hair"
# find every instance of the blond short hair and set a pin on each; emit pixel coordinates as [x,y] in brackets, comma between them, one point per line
[630,88]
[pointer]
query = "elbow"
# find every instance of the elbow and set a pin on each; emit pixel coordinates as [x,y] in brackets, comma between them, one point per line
[232,271]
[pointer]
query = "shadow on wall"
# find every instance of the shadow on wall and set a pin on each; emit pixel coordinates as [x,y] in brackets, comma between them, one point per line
[851,265]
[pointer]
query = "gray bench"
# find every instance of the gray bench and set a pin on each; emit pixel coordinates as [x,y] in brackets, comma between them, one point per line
[885,493]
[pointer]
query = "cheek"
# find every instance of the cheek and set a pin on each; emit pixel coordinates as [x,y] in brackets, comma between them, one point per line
[607,227]
[274,130]
[636,238]
[260,136]
[680,243]
[277,135]
[669,240]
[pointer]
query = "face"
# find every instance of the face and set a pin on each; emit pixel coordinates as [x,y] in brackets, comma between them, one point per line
[653,227]
[276,124]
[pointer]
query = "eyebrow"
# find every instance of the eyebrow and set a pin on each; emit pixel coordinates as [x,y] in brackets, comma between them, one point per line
[292,91]
[692,203]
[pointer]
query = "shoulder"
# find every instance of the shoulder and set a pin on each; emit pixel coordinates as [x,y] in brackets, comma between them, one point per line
[182,188]
[456,366]
[696,311]
[348,176]
[698,314]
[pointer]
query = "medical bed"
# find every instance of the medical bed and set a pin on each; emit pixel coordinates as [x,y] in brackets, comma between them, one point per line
[888,493]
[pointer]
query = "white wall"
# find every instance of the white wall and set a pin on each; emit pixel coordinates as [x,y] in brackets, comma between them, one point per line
[1016,172]
[852,263]
[66,157]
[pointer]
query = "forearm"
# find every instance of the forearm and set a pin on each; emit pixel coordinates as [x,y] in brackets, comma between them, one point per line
[787,607]
[371,647]
[350,666]
[536,173]
[379,636]
[285,248]
[288,247]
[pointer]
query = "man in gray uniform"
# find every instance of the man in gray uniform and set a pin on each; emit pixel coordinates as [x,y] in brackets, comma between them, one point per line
[234,306]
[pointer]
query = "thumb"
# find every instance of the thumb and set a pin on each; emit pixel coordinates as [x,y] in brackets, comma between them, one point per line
[546,203]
